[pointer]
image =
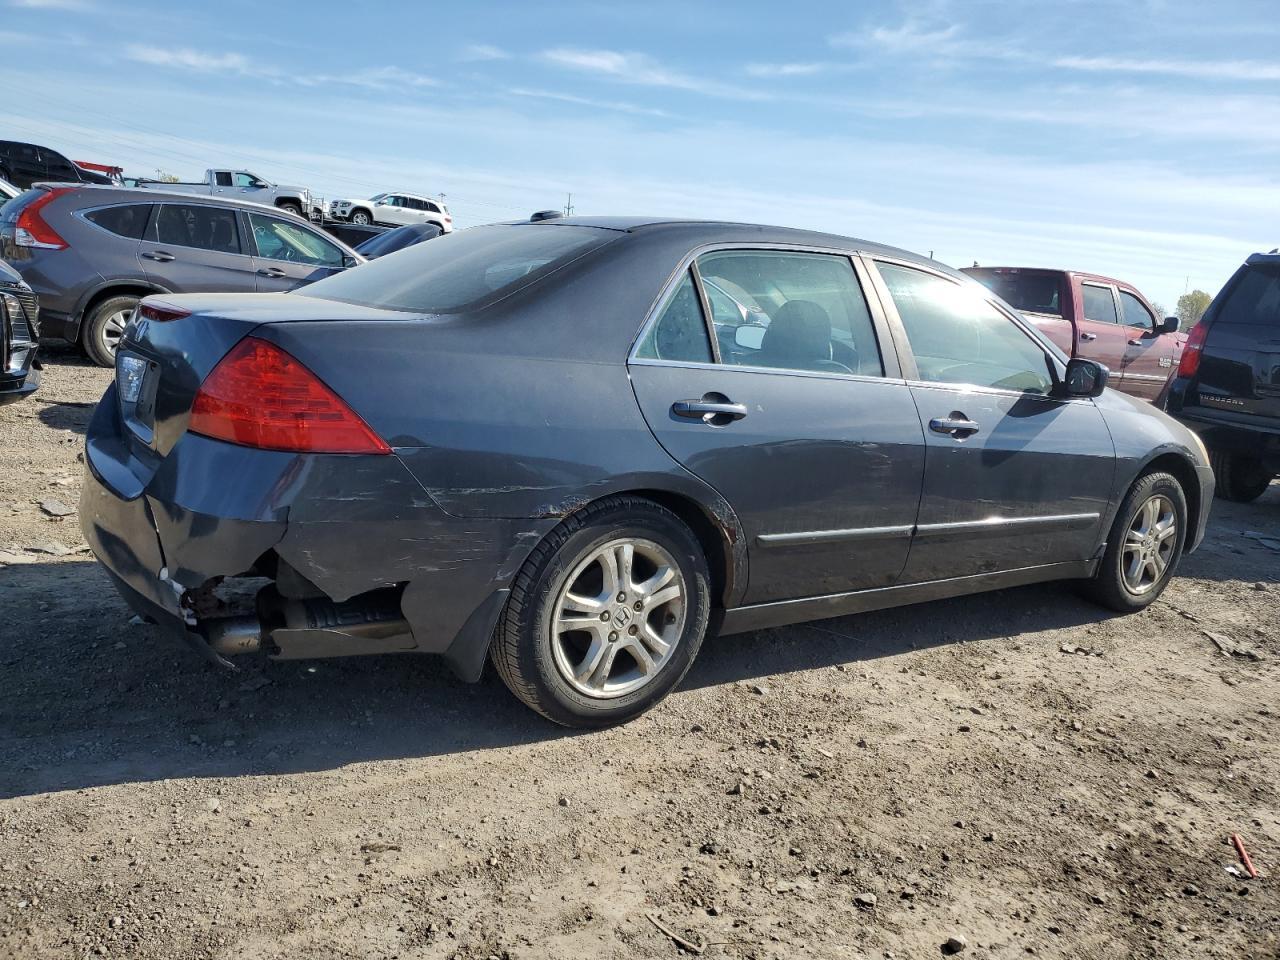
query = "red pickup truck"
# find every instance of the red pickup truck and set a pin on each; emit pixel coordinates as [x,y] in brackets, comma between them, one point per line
[1094,317]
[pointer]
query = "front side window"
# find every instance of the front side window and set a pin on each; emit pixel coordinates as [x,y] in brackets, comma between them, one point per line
[1099,304]
[247,180]
[278,240]
[790,311]
[129,220]
[205,228]
[1135,312]
[959,337]
[681,332]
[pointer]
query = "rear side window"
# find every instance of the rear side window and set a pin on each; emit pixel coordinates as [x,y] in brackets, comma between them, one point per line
[205,228]
[680,334]
[1099,304]
[462,271]
[222,178]
[129,220]
[1255,298]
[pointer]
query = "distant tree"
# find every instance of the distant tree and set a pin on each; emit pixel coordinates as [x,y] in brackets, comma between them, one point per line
[1191,307]
[1160,310]
[165,177]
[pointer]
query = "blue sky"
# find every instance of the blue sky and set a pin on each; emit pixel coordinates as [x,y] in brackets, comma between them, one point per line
[1136,139]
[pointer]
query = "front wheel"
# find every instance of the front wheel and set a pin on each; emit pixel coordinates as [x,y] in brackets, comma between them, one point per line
[606,616]
[1145,545]
[361,217]
[291,208]
[104,326]
[1239,478]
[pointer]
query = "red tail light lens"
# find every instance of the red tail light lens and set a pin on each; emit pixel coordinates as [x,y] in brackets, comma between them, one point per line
[1190,361]
[260,396]
[31,230]
[161,312]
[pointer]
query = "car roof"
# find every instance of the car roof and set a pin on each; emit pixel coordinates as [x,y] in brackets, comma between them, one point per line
[728,231]
[1083,275]
[141,194]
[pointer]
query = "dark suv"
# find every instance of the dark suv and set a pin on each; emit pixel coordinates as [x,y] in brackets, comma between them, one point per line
[23,164]
[1227,386]
[19,337]
[91,253]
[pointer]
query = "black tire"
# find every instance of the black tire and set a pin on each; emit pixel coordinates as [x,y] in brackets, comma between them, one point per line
[361,216]
[292,208]
[1109,586]
[1239,478]
[99,332]
[522,647]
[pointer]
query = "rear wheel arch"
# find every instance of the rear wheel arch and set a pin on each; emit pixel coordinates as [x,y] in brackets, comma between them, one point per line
[119,289]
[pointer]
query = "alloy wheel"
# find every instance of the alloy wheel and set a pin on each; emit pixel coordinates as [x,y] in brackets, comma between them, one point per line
[1149,544]
[618,618]
[113,329]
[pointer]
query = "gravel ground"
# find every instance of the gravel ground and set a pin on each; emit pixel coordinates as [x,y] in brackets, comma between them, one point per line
[1020,771]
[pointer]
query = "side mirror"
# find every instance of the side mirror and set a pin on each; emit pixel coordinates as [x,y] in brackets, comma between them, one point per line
[749,336]
[1168,325]
[348,262]
[1085,378]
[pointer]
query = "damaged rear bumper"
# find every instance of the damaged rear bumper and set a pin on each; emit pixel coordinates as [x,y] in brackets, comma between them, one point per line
[344,534]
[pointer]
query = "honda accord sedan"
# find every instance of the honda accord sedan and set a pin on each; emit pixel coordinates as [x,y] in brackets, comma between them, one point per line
[576,447]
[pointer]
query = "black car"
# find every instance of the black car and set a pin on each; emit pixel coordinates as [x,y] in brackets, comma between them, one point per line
[19,337]
[397,239]
[550,445]
[1227,385]
[24,164]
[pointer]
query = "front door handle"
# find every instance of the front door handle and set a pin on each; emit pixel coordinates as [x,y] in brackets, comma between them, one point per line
[1136,342]
[159,255]
[956,425]
[274,272]
[1088,336]
[714,412]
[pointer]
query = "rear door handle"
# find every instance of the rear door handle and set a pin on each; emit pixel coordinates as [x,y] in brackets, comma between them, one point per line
[159,255]
[1088,336]
[274,272]
[956,425]
[710,411]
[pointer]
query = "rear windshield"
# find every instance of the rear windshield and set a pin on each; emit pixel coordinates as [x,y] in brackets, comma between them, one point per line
[1255,298]
[1025,291]
[461,271]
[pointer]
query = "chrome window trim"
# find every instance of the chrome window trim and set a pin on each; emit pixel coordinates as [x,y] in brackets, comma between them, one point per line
[733,367]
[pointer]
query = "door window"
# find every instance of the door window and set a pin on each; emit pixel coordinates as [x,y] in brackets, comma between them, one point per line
[791,311]
[681,332]
[129,220]
[277,240]
[1135,313]
[222,178]
[247,180]
[190,225]
[1099,304]
[957,336]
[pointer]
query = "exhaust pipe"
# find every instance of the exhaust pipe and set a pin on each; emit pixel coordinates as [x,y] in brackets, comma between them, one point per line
[314,627]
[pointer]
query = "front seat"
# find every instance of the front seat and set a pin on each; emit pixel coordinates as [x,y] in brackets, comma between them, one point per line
[799,338]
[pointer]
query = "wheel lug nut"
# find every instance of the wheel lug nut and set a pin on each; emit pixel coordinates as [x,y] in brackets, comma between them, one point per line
[622,598]
[613,637]
[633,630]
[639,606]
[605,616]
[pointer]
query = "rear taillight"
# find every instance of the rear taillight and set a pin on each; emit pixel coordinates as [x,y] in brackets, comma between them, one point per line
[1190,361]
[260,396]
[31,230]
[161,312]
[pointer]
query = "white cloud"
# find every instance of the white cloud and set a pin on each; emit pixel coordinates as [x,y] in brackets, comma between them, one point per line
[790,69]
[478,52]
[184,58]
[617,105]
[1192,69]
[643,70]
[187,59]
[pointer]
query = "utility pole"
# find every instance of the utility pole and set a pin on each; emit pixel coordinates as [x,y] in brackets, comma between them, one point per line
[568,205]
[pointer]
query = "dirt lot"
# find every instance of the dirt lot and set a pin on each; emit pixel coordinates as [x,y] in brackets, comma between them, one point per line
[1020,770]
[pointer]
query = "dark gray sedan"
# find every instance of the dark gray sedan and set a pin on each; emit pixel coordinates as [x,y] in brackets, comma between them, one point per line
[575,447]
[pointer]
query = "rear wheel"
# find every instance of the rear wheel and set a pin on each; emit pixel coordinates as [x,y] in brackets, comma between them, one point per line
[361,217]
[1145,545]
[103,327]
[606,616]
[1239,478]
